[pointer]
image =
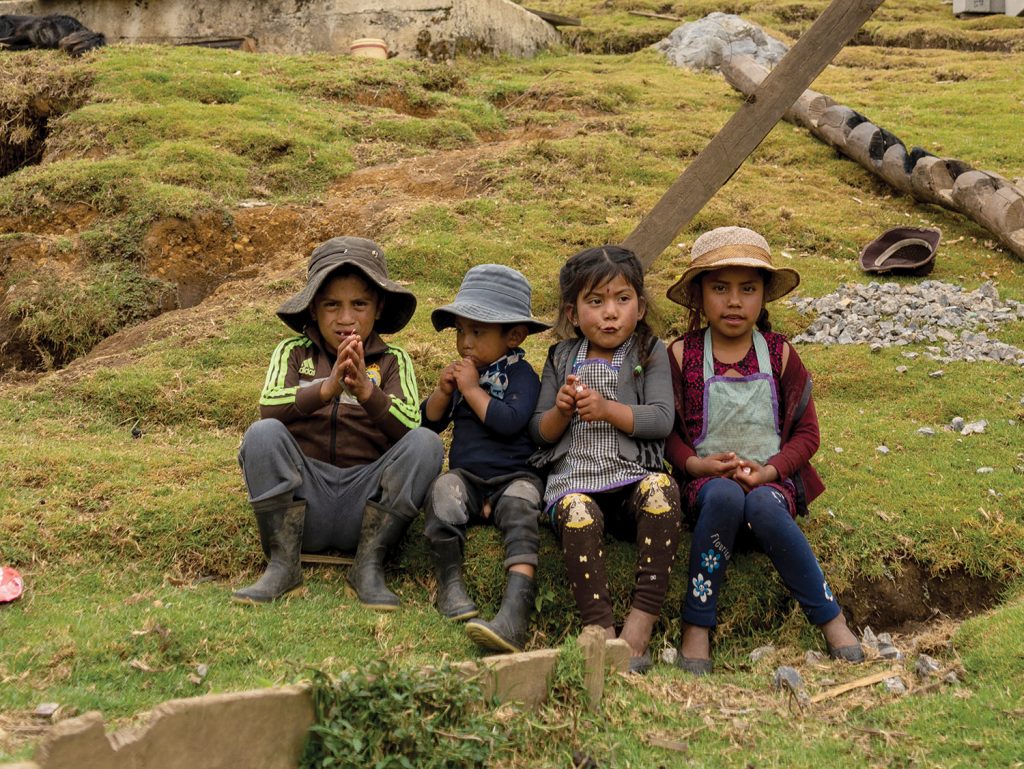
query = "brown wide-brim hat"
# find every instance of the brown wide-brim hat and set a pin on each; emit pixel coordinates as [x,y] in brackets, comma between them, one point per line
[732,247]
[368,259]
[902,250]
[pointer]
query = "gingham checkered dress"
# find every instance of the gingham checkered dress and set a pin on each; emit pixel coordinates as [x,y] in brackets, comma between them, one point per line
[592,462]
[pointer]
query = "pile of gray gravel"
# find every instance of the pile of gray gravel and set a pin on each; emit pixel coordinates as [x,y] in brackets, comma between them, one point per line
[953,324]
[702,44]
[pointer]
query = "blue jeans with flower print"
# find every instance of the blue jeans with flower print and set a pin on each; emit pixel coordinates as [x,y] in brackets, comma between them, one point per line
[723,507]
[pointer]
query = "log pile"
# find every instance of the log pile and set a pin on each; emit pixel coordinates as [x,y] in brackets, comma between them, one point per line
[983,196]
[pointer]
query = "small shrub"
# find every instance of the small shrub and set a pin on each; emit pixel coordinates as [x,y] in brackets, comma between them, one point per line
[384,717]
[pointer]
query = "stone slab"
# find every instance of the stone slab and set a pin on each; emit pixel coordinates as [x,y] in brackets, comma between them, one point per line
[616,655]
[265,728]
[524,677]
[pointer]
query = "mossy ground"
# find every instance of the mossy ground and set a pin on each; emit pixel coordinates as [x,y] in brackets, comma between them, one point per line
[130,545]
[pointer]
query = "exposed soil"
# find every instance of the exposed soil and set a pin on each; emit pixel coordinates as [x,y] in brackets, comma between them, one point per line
[913,597]
[200,254]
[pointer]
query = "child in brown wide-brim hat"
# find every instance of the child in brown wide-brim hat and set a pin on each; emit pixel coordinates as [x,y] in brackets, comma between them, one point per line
[338,459]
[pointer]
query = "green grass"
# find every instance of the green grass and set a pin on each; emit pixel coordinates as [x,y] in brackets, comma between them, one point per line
[130,546]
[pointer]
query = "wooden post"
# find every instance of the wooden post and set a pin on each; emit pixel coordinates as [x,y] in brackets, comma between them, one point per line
[592,640]
[717,162]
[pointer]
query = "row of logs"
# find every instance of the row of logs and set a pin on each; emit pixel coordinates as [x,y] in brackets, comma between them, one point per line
[986,197]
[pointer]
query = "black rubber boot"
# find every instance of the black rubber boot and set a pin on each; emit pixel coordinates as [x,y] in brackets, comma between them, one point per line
[507,631]
[452,599]
[280,524]
[381,529]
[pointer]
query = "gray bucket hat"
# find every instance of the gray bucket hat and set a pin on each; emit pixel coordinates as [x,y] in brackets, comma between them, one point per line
[490,293]
[368,258]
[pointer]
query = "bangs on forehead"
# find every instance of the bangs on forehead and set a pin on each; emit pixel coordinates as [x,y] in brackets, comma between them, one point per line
[598,279]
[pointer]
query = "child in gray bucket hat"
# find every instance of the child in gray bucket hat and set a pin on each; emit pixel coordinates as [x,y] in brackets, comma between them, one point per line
[338,459]
[489,394]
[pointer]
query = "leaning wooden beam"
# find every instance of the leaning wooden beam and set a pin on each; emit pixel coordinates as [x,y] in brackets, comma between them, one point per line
[983,196]
[717,162]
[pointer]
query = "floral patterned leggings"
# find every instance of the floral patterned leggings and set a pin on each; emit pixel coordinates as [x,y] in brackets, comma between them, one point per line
[647,511]
[723,508]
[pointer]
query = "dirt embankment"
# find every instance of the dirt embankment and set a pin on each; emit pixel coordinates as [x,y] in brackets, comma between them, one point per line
[197,255]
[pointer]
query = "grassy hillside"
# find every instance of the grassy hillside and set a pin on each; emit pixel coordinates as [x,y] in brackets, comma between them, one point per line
[179,196]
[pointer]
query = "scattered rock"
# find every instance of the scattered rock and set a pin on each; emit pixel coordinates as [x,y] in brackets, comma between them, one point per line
[901,369]
[926,667]
[704,43]
[668,655]
[926,431]
[839,449]
[882,643]
[957,424]
[985,470]
[47,710]
[788,679]
[895,685]
[952,323]
[761,652]
[814,657]
[972,428]
[887,649]
[951,677]
[883,449]
[937,374]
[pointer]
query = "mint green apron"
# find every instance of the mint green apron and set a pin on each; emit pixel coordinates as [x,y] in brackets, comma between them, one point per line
[741,414]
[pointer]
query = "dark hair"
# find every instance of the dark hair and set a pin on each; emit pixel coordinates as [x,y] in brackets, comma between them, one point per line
[594,267]
[696,321]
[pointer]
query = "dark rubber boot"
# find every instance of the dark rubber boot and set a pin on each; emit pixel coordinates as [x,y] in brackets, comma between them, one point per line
[380,530]
[507,631]
[280,526]
[452,599]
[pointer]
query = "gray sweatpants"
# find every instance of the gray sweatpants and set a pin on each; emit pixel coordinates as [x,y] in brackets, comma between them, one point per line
[274,465]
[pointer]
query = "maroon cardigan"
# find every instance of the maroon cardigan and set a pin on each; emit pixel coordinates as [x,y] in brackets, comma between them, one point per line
[800,436]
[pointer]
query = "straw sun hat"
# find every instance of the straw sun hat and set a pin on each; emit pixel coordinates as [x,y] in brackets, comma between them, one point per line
[732,247]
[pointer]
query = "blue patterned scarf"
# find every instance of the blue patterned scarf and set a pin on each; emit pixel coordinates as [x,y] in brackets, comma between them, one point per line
[494,379]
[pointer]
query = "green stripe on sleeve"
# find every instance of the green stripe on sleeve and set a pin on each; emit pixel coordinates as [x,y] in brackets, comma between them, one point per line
[407,410]
[274,391]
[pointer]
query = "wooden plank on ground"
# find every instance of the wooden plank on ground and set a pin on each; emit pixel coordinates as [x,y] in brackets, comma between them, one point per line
[326,559]
[554,19]
[717,162]
[868,680]
[662,16]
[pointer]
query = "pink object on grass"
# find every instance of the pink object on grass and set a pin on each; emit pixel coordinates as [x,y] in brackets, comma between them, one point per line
[11,584]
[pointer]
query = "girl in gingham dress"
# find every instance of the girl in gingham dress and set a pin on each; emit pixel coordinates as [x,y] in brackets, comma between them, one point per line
[604,410]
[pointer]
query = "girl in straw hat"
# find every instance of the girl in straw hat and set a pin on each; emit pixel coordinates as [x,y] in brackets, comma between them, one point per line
[746,429]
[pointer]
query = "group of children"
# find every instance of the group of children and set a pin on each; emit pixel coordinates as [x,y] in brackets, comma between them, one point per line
[620,437]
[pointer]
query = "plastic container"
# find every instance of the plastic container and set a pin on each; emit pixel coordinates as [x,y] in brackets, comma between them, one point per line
[370,48]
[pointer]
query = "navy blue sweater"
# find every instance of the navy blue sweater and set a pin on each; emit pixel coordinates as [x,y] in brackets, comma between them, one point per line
[500,444]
